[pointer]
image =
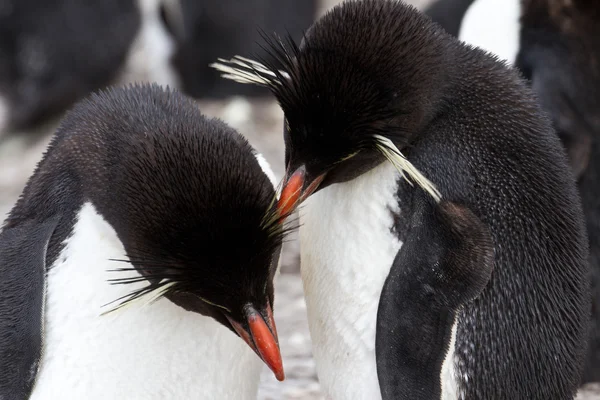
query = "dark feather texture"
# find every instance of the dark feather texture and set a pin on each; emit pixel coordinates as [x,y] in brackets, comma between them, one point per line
[22,290]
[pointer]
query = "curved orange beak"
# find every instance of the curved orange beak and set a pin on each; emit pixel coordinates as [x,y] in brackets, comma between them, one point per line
[295,191]
[261,336]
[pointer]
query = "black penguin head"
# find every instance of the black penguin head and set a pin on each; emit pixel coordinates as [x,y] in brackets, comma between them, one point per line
[560,55]
[364,81]
[187,198]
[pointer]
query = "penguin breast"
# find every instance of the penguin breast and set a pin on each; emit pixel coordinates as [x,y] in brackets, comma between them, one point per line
[347,249]
[153,351]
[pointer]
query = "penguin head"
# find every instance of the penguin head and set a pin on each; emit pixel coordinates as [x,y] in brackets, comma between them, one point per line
[203,227]
[186,196]
[220,254]
[560,56]
[358,89]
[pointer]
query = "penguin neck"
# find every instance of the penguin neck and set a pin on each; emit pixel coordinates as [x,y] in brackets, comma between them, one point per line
[347,249]
[153,351]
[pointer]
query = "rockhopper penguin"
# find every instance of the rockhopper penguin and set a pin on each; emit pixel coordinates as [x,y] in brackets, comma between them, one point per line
[140,199]
[423,162]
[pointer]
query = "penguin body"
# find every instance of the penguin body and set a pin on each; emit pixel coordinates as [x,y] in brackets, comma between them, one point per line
[131,208]
[155,352]
[486,187]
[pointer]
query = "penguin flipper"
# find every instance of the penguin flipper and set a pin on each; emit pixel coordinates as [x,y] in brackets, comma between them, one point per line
[22,291]
[445,262]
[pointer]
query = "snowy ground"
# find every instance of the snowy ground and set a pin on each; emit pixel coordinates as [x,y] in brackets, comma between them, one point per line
[261,122]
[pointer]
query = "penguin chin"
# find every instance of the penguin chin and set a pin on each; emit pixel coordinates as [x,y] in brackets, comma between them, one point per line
[352,167]
[302,182]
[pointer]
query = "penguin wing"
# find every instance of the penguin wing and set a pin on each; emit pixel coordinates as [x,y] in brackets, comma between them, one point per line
[22,292]
[445,262]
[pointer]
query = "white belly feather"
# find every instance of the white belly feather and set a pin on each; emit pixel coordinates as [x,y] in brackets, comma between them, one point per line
[158,351]
[347,250]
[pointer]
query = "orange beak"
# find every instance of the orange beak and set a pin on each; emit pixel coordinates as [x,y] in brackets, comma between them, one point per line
[261,336]
[294,191]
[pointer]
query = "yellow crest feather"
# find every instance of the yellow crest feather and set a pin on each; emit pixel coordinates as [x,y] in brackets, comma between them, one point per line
[391,152]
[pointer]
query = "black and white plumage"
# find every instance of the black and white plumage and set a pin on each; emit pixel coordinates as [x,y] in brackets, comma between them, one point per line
[142,201]
[376,80]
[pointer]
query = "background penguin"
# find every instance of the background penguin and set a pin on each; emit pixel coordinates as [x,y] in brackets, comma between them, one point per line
[224,28]
[471,134]
[53,53]
[140,198]
[448,13]
[492,25]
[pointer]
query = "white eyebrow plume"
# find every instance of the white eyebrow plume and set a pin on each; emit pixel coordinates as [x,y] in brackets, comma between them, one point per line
[391,152]
[145,297]
[244,70]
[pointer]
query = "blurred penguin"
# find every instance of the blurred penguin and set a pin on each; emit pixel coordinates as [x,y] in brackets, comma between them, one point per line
[212,29]
[53,53]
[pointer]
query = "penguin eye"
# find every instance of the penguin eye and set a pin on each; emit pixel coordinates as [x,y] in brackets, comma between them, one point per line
[213,304]
[349,156]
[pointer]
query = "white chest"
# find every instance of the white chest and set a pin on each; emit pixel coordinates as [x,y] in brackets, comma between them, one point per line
[347,249]
[158,351]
